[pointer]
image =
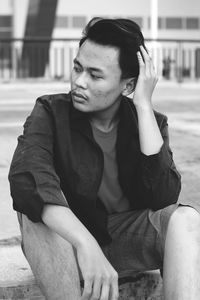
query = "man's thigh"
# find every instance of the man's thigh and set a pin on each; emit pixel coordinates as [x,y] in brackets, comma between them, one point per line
[138,239]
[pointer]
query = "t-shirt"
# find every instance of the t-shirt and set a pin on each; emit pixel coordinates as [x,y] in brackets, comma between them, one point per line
[110,192]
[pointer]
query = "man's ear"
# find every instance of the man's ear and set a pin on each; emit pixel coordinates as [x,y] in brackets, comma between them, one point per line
[129,86]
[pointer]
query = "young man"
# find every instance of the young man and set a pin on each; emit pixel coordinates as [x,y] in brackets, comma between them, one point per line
[94,181]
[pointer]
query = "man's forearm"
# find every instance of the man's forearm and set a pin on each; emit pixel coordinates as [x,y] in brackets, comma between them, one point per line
[63,221]
[151,139]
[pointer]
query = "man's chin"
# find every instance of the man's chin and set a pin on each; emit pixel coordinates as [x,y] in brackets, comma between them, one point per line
[80,106]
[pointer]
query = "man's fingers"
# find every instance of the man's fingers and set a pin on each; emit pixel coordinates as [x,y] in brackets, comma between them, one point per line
[96,289]
[105,291]
[99,290]
[145,55]
[148,66]
[140,61]
[87,290]
[144,67]
[114,289]
[144,61]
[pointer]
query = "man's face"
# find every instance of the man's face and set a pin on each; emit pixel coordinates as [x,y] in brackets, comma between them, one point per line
[96,83]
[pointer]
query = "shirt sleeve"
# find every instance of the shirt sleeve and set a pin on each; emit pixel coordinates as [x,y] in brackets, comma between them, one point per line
[32,176]
[161,182]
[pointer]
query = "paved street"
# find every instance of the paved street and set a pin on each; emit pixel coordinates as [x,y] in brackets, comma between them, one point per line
[181,103]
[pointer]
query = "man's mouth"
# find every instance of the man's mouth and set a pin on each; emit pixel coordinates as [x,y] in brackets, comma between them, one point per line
[79,95]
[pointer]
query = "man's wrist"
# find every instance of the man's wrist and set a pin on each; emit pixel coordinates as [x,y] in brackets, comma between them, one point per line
[143,106]
[84,240]
[144,109]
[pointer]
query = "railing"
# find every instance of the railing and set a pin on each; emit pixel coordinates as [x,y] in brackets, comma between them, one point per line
[176,59]
[52,59]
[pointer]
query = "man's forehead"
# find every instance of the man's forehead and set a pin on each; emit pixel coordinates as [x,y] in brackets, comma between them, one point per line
[98,56]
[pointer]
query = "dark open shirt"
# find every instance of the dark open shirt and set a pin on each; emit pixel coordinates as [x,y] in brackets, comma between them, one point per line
[57,161]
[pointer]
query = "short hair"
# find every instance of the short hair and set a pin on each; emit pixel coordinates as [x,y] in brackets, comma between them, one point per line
[123,34]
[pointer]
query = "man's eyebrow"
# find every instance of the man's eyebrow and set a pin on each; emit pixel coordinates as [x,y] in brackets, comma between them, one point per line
[91,69]
[76,62]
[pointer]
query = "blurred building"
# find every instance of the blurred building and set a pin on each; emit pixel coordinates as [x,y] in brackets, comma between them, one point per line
[176,18]
[61,19]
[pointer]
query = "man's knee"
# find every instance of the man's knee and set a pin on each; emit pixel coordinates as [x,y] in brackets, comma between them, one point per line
[186,219]
[38,234]
[47,252]
[41,245]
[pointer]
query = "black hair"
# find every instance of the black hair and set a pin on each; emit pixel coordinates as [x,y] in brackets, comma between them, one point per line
[124,34]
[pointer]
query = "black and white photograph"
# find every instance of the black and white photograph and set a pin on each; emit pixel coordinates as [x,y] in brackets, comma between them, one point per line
[100,150]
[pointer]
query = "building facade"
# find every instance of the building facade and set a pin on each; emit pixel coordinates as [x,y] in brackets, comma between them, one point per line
[61,19]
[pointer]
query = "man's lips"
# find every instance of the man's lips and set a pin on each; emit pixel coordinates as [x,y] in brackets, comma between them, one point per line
[78,95]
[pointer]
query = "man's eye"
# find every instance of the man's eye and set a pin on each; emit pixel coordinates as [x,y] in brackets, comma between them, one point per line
[95,76]
[77,69]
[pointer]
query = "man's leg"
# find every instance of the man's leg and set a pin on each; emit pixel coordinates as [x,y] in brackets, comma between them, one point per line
[182,255]
[52,261]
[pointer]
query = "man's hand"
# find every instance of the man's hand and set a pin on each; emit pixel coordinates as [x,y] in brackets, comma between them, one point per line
[146,82]
[100,278]
[150,137]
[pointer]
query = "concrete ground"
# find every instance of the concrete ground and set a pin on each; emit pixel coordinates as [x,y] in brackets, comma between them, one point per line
[181,103]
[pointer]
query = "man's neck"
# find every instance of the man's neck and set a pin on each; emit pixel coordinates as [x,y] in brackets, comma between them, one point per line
[104,127]
[107,120]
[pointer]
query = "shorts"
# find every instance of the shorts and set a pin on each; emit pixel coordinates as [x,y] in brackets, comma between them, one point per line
[138,240]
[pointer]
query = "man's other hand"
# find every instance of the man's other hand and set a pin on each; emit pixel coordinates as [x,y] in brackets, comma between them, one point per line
[100,278]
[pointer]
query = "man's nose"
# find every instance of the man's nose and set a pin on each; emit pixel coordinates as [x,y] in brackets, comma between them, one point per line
[81,80]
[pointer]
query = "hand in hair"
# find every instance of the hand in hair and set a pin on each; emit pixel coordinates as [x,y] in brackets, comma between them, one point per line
[150,136]
[146,82]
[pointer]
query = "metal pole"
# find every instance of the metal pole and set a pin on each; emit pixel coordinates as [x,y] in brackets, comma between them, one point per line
[180,63]
[154,30]
[154,19]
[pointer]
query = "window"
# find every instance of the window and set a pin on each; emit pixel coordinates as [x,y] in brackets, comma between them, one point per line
[5,34]
[5,21]
[192,23]
[161,23]
[174,23]
[78,21]
[5,27]
[62,22]
[70,21]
